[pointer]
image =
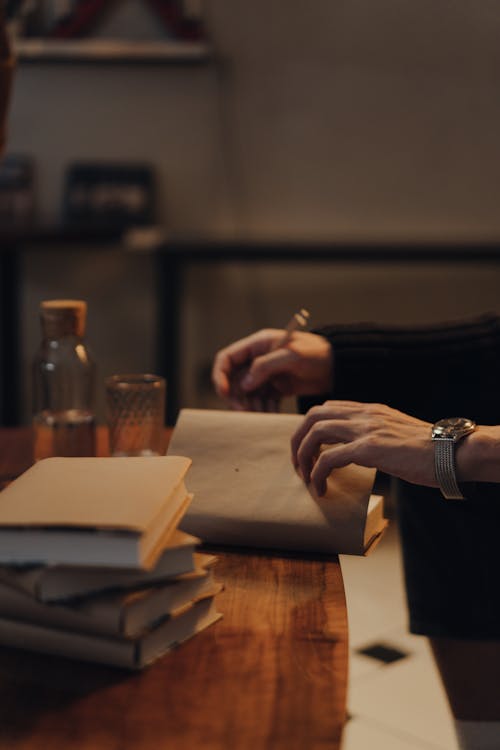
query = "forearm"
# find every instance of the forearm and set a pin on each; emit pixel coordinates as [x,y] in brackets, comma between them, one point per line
[478,455]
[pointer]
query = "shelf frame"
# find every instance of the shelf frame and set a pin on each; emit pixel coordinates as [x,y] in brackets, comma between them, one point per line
[111,51]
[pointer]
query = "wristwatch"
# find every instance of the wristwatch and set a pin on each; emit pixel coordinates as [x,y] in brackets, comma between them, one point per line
[446,434]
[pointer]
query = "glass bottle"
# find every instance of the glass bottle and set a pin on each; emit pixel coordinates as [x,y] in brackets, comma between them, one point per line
[63,383]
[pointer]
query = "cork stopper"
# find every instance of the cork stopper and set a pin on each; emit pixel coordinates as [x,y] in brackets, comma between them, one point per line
[63,317]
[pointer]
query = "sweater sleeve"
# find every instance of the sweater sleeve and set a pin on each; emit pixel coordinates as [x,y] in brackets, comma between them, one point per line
[432,372]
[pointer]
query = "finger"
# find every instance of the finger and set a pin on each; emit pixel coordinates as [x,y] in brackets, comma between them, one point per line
[254,345]
[325,431]
[317,413]
[330,459]
[240,352]
[268,366]
[220,371]
[370,414]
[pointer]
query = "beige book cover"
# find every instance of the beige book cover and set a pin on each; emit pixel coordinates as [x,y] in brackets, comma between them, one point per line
[246,491]
[55,583]
[116,613]
[93,511]
[129,653]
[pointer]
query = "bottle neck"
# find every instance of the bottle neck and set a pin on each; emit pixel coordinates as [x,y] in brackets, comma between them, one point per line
[60,329]
[52,337]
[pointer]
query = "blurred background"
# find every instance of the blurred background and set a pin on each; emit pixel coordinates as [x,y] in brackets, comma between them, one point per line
[332,124]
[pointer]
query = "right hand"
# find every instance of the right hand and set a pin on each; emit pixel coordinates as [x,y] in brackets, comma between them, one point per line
[255,372]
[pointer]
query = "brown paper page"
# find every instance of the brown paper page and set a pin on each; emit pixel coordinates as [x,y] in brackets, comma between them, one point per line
[246,491]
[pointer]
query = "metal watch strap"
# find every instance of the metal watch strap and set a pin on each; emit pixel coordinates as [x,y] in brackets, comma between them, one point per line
[444,464]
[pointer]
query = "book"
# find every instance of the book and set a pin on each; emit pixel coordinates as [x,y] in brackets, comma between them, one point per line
[56,583]
[118,614]
[129,653]
[93,511]
[247,493]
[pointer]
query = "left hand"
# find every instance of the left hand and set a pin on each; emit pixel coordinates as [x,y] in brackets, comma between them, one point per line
[338,433]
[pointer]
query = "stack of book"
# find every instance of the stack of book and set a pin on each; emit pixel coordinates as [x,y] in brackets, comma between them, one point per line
[93,565]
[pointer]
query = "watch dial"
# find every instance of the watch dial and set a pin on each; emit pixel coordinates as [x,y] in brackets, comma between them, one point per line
[453,427]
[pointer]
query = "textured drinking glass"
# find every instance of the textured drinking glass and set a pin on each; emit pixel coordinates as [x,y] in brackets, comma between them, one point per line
[135,407]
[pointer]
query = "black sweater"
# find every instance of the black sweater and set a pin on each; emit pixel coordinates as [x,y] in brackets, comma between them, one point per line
[432,372]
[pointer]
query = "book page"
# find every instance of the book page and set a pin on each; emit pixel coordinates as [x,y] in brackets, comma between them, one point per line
[246,491]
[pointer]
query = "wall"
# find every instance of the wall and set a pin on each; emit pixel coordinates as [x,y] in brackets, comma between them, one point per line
[161,115]
[333,119]
[325,121]
[361,119]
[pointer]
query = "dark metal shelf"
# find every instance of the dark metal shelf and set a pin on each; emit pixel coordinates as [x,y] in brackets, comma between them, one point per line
[103,51]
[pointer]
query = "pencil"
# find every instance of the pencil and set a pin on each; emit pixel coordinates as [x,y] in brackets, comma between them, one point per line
[299,320]
[262,400]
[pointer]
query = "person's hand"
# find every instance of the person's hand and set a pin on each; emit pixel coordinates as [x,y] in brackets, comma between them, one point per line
[255,372]
[338,433]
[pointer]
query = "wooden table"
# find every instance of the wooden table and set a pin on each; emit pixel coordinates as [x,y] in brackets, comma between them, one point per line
[271,674]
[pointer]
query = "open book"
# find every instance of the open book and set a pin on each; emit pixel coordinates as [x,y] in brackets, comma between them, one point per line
[247,493]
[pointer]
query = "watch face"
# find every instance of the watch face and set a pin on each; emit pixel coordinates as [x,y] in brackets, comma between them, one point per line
[453,428]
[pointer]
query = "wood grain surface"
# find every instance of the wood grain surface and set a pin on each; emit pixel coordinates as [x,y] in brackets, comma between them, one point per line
[271,674]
